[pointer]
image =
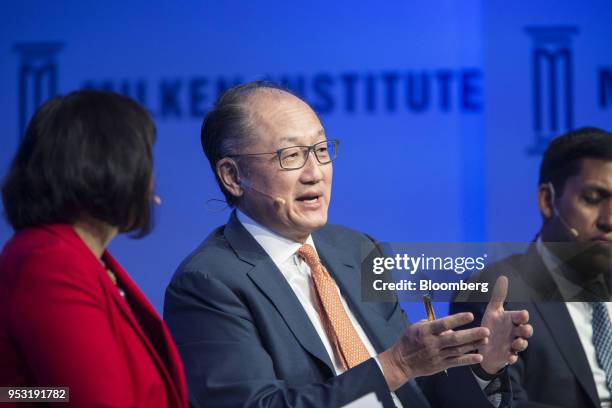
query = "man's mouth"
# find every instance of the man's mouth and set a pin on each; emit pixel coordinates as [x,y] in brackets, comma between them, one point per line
[310,198]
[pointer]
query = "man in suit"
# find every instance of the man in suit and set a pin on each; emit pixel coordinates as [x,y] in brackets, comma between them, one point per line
[563,279]
[267,311]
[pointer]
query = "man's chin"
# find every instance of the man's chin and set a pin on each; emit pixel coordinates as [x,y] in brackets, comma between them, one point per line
[312,223]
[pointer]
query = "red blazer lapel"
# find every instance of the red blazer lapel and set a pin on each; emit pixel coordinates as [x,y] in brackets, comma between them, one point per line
[151,329]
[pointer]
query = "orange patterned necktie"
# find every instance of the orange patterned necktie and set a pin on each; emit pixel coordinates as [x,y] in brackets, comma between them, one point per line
[338,325]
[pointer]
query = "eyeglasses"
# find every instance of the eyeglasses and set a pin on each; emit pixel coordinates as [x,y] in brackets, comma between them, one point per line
[295,157]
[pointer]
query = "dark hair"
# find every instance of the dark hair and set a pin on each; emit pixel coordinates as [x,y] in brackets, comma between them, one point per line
[86,153]
[563,156]
[226,126]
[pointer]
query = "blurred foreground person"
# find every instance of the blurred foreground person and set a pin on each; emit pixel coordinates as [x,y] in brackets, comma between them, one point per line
[70,316]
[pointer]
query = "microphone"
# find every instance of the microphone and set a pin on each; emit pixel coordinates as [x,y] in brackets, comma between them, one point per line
[278,201]
[556,212]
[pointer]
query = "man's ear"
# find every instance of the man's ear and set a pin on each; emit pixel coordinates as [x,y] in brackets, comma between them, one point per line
[545,200]
[228,173]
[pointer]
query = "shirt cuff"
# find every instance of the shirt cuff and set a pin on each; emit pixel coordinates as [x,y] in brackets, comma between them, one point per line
[480,373]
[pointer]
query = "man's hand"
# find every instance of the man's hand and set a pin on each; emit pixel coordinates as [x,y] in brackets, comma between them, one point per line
[428,347]
[509,331]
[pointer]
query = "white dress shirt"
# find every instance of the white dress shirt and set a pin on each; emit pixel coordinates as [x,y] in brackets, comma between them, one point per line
[581,314]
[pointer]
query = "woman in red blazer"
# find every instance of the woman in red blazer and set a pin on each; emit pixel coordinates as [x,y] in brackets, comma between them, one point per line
[70,316]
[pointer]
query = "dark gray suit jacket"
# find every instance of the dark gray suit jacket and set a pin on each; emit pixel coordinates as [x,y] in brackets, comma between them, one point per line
[245,339]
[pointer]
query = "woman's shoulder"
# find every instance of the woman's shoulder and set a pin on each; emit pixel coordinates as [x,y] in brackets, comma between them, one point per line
[44,249]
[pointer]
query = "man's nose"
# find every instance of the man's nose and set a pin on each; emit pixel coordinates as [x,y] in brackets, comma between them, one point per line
[604,221]
[311,172]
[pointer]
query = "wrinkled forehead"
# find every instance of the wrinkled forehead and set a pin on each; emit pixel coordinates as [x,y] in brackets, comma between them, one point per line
[278,119]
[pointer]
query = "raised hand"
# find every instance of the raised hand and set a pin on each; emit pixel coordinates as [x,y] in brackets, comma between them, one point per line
[509,331]
[428,347]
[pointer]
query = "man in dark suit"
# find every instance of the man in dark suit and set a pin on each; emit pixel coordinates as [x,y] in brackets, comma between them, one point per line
[563,279]
[267,311]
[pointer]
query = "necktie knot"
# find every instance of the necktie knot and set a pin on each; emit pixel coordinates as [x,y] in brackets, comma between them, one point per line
[309,255]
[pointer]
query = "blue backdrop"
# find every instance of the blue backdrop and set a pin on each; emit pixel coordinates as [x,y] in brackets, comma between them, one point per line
[442,109]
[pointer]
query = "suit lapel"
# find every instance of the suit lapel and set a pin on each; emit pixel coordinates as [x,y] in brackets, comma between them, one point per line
[150,328]
[273,284]
[557,318]
[548,302]
[346,272]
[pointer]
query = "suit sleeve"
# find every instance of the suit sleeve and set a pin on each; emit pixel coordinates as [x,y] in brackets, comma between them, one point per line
[58,319]
[226,364]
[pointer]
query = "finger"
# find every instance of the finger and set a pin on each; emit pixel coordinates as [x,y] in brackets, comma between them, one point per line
[424,327]
[519,316]
[463,337]
[512,359]
[500,291]
[463,349]
[449,322]
[524,330]
[466,359]
[519,345]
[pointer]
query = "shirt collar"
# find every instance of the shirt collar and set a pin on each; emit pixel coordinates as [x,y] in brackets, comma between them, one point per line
[278,248]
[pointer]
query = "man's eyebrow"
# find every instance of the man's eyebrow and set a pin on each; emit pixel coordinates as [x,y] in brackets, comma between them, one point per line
[600,188]
[294,139]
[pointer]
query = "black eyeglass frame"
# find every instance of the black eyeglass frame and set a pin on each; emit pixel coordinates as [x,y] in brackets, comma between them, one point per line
[311,148]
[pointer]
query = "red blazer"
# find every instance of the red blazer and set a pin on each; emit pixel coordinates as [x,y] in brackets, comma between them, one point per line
[63,323]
